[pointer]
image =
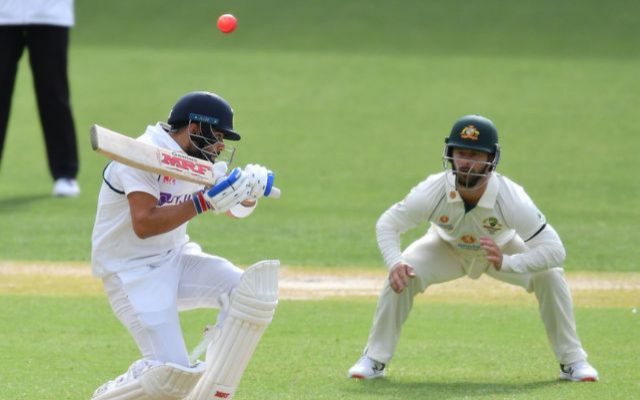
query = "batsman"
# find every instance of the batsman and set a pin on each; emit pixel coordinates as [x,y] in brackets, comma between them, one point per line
[151,270]
[481,222]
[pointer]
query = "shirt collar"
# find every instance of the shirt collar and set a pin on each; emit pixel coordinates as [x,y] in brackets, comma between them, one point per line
[160,137]
[452,194]
[488,198]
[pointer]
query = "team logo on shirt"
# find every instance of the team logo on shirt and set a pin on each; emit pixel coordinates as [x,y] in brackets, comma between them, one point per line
[492,225]
[444,219]
[469,132]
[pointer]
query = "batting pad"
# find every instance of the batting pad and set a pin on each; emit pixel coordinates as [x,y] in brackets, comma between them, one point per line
[159,382]
[251,307]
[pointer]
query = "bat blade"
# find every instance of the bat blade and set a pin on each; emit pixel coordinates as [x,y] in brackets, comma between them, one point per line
[147,157]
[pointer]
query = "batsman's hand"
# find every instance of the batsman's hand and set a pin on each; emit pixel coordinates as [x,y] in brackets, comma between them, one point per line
[260,180]
[228,192]
[400,275]
[220,169]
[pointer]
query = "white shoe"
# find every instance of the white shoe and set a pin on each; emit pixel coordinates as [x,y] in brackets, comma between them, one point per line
[367,368]
[579,371]
[133,372]
[66,187]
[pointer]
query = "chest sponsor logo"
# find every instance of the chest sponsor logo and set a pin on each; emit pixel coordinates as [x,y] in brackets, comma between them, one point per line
[169,199]
[442,222]
[468,239]
[468,242]
[492,225]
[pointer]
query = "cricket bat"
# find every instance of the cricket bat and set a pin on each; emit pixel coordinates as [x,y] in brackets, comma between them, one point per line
[148,157]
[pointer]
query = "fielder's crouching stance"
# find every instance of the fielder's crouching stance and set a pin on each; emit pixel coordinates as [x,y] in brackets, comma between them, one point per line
[480,223]
[151,270]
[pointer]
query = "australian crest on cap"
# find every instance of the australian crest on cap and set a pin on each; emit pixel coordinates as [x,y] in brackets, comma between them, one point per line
[469,132]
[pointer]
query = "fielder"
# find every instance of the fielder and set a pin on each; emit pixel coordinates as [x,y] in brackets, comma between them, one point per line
[151,271]
[480,222]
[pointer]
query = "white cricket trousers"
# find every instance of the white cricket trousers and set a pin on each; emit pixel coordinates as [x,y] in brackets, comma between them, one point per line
[435,261]
[147,299]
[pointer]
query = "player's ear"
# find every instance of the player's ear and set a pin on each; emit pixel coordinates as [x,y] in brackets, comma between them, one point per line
[193,127]
[185,132]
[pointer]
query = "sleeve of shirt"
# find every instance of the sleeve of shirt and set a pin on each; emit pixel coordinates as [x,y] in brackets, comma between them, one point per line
[135,180]
[414,209]
[521,213]
[545,251]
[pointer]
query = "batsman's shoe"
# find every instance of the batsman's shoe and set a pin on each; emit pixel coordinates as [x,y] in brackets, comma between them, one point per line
[367,368]
[135,370]
[579,371]
[66,187]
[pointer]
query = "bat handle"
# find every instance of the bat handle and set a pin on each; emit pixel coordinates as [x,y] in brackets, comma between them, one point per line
[271,191]
[274,194]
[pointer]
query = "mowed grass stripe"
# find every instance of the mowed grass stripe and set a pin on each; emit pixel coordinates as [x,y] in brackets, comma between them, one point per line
[593,289]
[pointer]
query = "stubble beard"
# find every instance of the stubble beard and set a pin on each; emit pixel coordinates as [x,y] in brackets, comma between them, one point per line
[468,181]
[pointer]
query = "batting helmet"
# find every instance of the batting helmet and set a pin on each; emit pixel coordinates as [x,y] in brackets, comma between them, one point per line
[473,132]
[205,108]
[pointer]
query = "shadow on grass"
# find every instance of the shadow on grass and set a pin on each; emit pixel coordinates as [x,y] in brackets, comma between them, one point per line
[442,390]
[10,204]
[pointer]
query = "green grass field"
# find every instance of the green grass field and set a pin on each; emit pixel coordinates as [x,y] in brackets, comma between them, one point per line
[349,102]
[66,346]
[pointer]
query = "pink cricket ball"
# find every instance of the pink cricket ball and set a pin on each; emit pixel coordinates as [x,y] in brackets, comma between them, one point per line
[227,23]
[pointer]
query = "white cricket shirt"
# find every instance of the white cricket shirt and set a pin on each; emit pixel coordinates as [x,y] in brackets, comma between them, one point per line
[42,12]
[115,246]
[503,211]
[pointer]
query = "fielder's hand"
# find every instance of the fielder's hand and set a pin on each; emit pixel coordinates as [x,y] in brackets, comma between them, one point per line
[493,252]
[400,275]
